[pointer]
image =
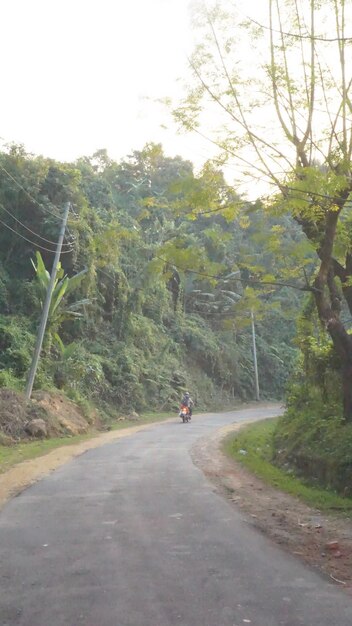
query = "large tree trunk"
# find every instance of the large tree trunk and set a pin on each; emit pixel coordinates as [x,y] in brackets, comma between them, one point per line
[328,305]
[345,274]
[347,391]
[343,344]
[341,339]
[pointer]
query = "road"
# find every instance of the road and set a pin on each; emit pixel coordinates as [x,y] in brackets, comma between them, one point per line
[133,534]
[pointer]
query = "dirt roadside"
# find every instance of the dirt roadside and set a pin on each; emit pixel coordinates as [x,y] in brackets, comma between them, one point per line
[305,532]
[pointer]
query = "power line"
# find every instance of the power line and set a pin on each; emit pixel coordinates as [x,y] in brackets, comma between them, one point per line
[28,194]
[218,277]
[31,231]
[240,280]
[36,245]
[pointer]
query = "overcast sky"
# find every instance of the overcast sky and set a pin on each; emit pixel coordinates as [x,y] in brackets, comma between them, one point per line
[78,75]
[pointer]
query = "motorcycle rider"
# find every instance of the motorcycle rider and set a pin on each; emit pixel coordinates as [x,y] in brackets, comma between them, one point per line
[188,402]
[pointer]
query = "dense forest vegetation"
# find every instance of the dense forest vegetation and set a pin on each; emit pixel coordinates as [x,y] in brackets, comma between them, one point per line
[163,268]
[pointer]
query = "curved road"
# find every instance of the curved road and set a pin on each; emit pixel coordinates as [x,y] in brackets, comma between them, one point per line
[132,534]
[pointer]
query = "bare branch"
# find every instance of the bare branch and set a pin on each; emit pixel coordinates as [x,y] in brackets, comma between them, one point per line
[287,74]
[302,51]
[312,81]
[250,164]
[285,128]
[299,35]
[242,125]
[341,44]
[245,125]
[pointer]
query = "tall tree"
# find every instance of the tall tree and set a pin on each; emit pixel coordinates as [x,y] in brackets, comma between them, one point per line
[285,107]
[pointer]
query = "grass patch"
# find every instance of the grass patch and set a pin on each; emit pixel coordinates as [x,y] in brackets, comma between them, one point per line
[24,451]
[256,440]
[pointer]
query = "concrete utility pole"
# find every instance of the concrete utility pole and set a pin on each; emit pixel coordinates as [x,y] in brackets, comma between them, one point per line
[256,377]
[46,307]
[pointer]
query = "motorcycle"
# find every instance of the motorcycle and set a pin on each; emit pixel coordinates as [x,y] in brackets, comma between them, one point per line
[184,413]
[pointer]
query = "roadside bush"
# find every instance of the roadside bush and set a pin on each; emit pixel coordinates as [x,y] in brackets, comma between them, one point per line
[312,438]
[8,380]
[16,345]
[318,448]
[77,368]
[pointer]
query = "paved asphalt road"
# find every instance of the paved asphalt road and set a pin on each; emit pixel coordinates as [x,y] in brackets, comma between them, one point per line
[132,534]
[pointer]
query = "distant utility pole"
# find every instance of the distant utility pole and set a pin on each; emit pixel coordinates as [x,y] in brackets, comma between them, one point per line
[256,377]
[46,307]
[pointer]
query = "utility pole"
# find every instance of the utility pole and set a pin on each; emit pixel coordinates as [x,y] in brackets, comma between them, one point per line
[46,307]
[256,377]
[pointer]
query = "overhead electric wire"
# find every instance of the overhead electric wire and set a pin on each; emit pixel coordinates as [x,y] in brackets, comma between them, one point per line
[36,245]
[32,231]
[39,204]
[240,280]
[218,277]
[58,217]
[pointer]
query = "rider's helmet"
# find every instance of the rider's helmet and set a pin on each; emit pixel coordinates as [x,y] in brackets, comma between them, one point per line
[187,393]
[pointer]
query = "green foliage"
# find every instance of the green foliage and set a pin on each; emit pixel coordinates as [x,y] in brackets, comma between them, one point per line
[316,384]
[9,380]
[16,345]
[164,258]
[313,438]
[76,368]
[63,286]
[257,441]
[317,446]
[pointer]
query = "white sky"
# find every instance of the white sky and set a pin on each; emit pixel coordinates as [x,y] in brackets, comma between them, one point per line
[78,75]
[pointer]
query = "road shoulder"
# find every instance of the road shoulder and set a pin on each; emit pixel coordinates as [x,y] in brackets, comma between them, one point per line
[303,531]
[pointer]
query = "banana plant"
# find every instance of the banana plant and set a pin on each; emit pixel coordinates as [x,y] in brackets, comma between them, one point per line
[63,286]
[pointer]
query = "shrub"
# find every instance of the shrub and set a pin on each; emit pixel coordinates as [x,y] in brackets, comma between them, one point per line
[16,344]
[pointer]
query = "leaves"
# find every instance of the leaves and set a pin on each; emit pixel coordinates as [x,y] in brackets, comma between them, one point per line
[63,285]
